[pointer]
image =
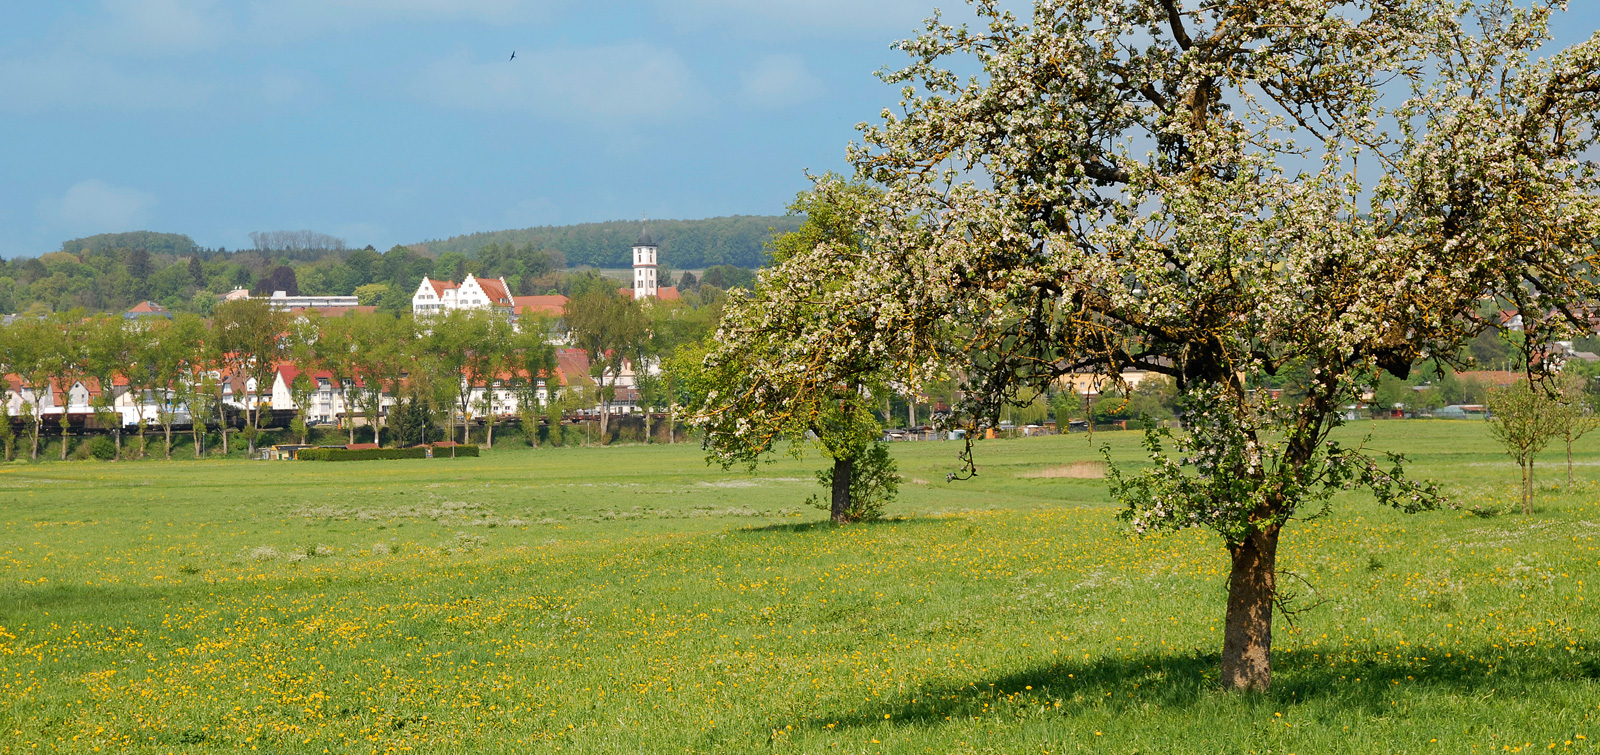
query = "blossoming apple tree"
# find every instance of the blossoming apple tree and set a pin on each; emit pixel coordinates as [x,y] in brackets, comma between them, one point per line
[1216,190]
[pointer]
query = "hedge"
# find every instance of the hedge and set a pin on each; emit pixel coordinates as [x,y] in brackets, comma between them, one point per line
[460,451]
[380,454]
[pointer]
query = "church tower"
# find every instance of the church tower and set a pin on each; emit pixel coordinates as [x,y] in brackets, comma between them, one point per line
[644,266]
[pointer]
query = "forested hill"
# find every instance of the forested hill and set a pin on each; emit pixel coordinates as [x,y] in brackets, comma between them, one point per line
[114,271]
[738,240]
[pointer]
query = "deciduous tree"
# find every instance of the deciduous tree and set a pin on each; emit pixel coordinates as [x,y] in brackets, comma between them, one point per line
[773,377]
[1212,191]
[1525,419]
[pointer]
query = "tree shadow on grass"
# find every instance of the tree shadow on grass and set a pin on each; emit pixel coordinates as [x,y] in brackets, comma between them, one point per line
[796,528]
[1181,681]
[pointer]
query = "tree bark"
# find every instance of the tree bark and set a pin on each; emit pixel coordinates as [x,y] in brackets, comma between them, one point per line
[842,469]
[1569,461]
[1527,487]
[1247,635]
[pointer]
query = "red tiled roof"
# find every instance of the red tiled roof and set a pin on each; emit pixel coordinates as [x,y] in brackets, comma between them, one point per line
[572,364]
[496,290]
[147,308]
[439,287]
[552,305]
[665,293]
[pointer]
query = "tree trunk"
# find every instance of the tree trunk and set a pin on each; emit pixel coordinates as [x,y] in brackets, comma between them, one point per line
[167,429]
[1569,461]
[605,409]
[1247,635]
[37,430]
[647,427]
[488,438]
[911,413]
[1527,487]
[842,468]
[222,425]
[66,424]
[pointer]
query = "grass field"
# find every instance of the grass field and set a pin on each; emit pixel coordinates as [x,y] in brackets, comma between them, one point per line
[630,599]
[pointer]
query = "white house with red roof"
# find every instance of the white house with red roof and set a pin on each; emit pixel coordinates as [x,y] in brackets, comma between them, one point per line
[438,297]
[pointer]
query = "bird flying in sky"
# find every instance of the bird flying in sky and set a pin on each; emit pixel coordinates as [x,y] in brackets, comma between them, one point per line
[513,55]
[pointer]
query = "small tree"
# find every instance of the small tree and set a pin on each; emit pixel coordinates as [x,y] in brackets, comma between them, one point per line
[410,421]
[336,351]
[301,389]
[252,338]
[197,390]
[110,347]
[8,438]
[610,327]
[1524,419]
[1578,417]
[768,383]
[530,361]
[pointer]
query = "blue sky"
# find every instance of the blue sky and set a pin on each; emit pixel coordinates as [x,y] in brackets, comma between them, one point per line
[395,121]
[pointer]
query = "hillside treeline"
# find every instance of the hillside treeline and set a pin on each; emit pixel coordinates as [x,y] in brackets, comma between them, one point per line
[738,240]
[113,272]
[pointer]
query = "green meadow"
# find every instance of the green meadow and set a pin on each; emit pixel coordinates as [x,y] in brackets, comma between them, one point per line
[633,600]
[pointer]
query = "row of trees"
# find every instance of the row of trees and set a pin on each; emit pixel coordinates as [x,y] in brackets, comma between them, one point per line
[194,367]
[1173,187]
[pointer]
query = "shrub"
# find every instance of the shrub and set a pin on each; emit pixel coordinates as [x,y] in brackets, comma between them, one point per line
[874,482]
[102,447]
[381,454]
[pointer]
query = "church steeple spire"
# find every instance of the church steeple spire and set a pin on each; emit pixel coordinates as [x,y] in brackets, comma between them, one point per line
[644,232]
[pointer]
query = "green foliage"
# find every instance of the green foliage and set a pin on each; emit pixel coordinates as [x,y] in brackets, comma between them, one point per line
[383,454]
[736,240]
[874,482]
[411,422]
[1524,419]
[102,447]
[728,277]
[153,243]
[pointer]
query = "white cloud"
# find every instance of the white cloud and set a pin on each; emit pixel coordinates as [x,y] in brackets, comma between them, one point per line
[163,27]
[62,81]
[620,85]
[779,81]
[95,206]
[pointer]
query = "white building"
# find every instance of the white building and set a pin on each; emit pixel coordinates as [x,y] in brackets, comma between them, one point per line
[438,297]
[282,301]
[644,266]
